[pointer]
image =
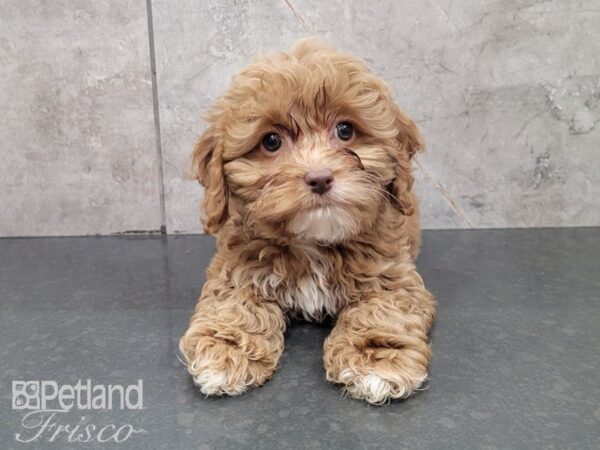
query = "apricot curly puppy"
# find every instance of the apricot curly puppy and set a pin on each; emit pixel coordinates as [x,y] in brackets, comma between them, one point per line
[307,176]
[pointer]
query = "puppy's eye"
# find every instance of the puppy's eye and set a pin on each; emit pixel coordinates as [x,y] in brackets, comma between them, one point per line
[271,142]
[344,131]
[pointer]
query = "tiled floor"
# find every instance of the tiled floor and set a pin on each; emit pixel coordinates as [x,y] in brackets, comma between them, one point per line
[516,348]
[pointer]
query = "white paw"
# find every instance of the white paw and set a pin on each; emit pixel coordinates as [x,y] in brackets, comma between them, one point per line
[378,389]
[217,384]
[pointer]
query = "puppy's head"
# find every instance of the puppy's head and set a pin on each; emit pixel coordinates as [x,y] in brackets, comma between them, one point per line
[306,144]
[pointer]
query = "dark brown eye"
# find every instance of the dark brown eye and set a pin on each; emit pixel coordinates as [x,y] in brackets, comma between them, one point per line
[271,142]
[344,131]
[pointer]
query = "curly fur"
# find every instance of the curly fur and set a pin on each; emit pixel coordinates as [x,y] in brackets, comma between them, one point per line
[283,250]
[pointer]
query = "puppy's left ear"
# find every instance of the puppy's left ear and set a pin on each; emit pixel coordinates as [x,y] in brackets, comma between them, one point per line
[409,136]
[410,142]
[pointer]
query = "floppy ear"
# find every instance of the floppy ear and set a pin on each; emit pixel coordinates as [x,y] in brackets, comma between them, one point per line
[409,136]
[409,142]
[207,168]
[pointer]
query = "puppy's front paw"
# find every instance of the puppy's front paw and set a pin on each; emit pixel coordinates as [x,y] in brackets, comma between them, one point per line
[378,388]
[216,383]
[220,368]
[376,372]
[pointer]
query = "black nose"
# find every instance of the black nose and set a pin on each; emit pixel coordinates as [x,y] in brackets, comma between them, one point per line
[320,181]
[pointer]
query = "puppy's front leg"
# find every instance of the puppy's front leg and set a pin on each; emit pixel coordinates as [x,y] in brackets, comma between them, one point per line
[379,346]
[234,340]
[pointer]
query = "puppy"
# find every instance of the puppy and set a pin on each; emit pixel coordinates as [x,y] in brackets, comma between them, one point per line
[307,177]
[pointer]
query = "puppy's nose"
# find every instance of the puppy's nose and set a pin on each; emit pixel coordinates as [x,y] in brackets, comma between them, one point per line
[320,181]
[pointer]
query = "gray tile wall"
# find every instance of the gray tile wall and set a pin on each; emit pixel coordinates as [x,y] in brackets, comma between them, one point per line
[77,141]
[507,93]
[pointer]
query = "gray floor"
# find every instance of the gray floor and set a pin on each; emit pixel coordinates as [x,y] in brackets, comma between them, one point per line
[516,360]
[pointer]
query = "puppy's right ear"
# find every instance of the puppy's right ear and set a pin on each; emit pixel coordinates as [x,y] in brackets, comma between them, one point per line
[207,168]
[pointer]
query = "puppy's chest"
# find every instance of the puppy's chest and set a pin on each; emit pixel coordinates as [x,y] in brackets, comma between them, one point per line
[311,293]
[310,297]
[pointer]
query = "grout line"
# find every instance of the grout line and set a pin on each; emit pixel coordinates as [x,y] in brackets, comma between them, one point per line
[299,17]
[453,204]
[158,140]
[156,234]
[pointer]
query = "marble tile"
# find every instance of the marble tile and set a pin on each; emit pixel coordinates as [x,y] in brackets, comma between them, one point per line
[505,92]
[77,138]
